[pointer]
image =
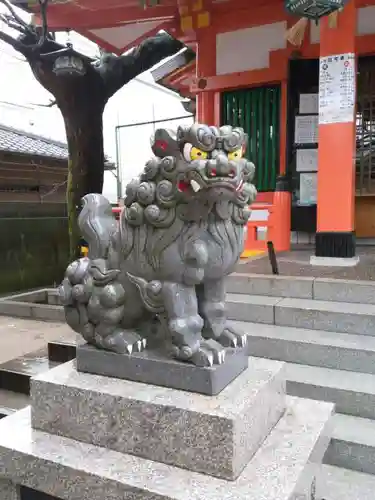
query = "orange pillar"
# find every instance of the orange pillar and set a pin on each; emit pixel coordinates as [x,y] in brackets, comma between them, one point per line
[206,66]
[336,152]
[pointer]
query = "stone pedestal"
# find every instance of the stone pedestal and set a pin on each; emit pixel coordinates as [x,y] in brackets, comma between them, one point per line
[91,437]
[153,367]
[213,435]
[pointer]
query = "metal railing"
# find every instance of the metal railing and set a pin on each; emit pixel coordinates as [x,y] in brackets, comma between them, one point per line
[153,124]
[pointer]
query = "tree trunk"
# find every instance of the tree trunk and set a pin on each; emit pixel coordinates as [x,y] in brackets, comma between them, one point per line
[84,130]
[82,98]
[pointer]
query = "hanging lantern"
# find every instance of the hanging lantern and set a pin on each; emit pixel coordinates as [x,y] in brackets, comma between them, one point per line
[66,61]
[313,9]
[69,65]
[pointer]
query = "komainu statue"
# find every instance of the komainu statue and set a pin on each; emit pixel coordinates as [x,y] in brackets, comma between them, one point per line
[157,276]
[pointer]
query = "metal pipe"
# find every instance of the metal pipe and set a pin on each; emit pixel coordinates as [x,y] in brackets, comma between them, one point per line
[155,121]
[117,141]
[118,166]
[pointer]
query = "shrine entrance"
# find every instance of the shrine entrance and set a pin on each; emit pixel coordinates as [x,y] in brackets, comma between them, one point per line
[304,83]
[257,111]
[365,149]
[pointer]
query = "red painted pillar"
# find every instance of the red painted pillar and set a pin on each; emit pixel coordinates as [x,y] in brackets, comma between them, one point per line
[206,66]
[336,153]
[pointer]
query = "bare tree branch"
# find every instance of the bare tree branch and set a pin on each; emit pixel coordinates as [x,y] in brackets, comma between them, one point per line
[16,17]
[117,71]
[50,105]
[9,21]
[16,44]
[43,12]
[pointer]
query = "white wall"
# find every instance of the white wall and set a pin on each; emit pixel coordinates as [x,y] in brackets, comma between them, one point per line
[138,103]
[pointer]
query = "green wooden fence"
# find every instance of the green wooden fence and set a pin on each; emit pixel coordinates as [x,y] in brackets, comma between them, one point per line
[257,111]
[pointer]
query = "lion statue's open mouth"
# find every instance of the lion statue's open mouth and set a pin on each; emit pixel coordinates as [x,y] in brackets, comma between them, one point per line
[209,160]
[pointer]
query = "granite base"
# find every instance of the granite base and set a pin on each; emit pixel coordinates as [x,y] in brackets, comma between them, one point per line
[283,468]
[215,435]
[9,490]
[152,367]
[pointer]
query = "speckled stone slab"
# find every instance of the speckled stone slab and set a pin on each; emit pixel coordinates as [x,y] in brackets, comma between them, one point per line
[9,490]
[214,435]
[151,367]
[282,469]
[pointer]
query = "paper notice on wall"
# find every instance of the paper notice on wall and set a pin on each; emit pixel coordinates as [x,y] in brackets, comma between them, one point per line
[306,129]
[337,88]
[307,160]
[308,188]
[309,104]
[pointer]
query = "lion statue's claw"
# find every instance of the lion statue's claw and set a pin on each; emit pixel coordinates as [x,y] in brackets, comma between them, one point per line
[208,353]
[231,338]
[123,342]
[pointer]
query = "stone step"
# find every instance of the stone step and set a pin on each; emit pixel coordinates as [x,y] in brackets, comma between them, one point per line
[31,494]
[61,351]
[353,393]
[282,469]
[312,314]
[272,286]
[336,483]
[339,351]
[254,308]
[15,374]
[353,444]
[11,402]
[5,412]
[29,310]
[302,287]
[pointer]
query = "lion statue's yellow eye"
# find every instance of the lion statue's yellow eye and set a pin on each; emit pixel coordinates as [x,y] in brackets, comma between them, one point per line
[235,155]
[192,153]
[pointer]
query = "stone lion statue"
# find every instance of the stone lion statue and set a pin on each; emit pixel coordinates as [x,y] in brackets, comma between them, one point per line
[157,276]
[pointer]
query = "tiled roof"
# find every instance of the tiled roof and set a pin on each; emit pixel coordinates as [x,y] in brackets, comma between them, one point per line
[18,141]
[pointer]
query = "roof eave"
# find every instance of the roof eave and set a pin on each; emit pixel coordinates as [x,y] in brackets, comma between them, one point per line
[177,62]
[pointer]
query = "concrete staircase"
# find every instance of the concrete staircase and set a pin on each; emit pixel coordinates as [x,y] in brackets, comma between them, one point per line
[15,375]
[325,330]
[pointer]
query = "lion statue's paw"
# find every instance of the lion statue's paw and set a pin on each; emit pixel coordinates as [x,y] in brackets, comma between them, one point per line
[122,342]
[208,353]
[232,338]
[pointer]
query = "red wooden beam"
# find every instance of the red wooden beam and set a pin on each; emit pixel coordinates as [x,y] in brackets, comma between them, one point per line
[120,50]
[182,74]
[104,18]
[253,6]
[246,16]
[183,90]
[275,73]
[98,4]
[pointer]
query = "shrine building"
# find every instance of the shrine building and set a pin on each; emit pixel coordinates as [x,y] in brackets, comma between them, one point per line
[297,75]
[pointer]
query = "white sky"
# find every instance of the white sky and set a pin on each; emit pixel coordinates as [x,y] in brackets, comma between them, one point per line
[139,101]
